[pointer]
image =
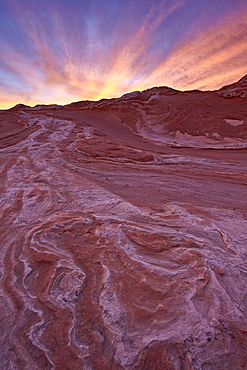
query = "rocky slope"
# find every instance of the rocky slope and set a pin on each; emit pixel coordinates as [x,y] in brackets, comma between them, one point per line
[238,89]
[123,233]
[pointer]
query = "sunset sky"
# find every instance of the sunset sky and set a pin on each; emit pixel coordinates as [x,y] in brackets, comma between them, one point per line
[59,51]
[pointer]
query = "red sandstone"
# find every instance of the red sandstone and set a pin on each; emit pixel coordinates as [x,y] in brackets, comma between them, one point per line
[123,232]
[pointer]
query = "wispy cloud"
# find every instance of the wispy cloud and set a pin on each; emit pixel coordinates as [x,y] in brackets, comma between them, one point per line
[211,59]
[69,52]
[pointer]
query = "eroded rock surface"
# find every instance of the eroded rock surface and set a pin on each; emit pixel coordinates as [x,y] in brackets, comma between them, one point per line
[123,233]
[237,89]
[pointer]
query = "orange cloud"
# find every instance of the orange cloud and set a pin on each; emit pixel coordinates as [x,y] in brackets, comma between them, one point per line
[60,73]
[98,75]
[212,59]
[131,58]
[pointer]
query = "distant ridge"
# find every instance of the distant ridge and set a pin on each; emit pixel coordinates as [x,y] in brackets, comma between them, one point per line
[236,89]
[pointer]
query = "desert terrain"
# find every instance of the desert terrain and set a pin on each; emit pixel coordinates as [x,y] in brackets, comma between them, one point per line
[123,232]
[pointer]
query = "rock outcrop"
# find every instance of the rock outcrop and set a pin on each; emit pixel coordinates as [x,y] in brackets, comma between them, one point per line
[123,233]
[237,89]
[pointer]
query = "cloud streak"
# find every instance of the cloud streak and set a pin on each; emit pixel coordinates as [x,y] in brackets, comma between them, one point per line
[211,59]
[59,51]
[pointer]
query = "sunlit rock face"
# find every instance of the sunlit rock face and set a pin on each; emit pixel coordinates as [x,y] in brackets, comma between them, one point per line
[123,233]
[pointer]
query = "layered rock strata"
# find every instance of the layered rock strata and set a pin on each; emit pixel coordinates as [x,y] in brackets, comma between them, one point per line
[123,233]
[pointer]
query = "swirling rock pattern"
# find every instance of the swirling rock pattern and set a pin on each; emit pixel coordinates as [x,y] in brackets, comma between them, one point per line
[123,233]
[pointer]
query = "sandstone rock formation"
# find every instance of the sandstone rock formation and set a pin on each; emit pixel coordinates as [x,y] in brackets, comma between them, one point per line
[238,89]
[123,233]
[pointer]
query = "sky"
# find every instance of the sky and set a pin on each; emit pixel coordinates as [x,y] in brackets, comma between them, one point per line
[60,51]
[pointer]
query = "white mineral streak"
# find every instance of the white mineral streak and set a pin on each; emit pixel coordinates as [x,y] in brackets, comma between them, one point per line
[123,235]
